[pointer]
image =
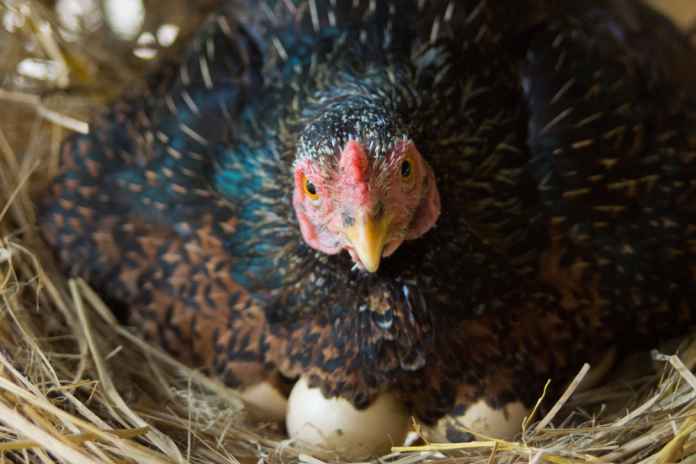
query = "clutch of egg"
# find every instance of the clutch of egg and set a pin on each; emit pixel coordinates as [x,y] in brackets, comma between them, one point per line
[335,425]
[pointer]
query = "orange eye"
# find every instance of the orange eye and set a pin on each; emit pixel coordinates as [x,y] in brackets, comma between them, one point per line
[310,189]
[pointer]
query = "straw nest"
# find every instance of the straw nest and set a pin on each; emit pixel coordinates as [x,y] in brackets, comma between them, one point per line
[77,387]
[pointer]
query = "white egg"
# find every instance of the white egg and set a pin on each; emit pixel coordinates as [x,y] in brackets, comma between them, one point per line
[503,423]
[334,424]
[267,403]
[506,423]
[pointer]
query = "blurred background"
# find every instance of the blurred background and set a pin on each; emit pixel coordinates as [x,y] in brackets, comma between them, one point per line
[86,44]
[683,11]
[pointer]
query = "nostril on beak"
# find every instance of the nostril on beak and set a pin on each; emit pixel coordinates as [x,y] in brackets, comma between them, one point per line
[348,220]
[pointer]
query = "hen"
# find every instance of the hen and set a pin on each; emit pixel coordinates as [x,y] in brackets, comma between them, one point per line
[451,201]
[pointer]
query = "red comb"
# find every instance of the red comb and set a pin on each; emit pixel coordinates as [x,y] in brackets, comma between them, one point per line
[354,161]
[353,167]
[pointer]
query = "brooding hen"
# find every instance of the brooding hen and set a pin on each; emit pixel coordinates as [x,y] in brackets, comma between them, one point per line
[452,201]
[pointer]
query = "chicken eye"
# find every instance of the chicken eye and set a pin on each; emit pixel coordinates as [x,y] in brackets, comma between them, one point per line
[406,169]
[310,189]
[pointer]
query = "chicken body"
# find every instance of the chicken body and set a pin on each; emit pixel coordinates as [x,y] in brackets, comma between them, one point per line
[562,142]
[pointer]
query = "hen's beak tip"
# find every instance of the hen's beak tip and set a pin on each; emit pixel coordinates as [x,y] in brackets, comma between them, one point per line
[368,236]
[371,265]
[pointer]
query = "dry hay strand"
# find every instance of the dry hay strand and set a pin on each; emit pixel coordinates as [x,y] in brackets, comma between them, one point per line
[77,387]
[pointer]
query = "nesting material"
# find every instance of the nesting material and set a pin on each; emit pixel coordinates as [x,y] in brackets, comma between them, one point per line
[76,387]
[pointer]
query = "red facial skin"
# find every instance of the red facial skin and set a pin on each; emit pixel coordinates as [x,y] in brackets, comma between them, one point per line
[406,206]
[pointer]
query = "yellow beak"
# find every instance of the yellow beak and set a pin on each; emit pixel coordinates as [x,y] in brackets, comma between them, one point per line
[368,236]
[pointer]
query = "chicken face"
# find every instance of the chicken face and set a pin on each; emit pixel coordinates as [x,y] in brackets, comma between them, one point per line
[365,205]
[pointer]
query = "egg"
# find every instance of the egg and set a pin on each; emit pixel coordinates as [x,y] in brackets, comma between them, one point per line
[336,425]
[267,403]
[503,423]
